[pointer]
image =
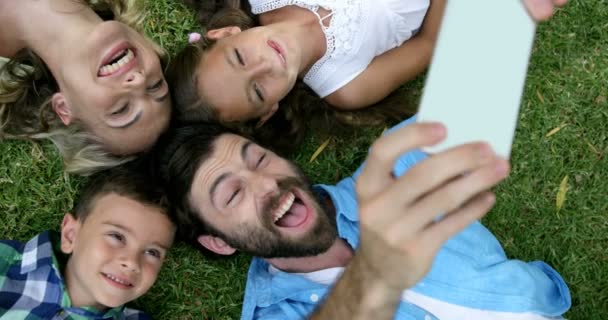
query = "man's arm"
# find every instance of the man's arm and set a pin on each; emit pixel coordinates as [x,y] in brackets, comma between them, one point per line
[400,232]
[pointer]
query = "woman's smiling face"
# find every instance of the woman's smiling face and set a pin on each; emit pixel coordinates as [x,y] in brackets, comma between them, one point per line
[114,86]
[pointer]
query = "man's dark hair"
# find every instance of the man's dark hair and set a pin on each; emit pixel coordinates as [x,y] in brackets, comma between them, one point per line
[179,154]
[124,181]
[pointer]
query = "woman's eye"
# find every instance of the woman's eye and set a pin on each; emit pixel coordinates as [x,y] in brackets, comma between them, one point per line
[258,92]
[156,85]
[260,160]
[122,110]
[234,194]
[239,58]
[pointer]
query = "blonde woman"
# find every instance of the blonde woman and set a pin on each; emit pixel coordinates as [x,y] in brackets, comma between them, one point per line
[82,74]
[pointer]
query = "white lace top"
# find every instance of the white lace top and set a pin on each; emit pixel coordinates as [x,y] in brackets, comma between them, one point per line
[358,31]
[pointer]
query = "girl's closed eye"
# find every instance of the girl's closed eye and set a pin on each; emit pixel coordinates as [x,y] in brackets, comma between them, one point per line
[121,110]
[239,57]
[258,92]
[260,160]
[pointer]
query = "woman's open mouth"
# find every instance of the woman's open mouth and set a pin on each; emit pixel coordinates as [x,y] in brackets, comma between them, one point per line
[118,62]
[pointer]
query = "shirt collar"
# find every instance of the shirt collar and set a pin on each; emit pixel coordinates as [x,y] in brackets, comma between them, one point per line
[37,252]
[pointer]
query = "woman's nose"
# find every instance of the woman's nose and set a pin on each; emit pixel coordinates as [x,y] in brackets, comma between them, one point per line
[134,79]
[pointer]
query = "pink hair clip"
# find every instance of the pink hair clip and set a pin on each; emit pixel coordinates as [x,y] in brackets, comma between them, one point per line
[194,37]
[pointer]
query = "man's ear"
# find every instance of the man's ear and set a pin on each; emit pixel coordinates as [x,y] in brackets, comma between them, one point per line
[61,108]
[69,231]
[267,115]
[215,244]
[215,34]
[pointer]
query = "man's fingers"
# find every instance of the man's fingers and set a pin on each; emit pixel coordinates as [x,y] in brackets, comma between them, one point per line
[540,9]
[441,231]
[439,169]
[377,171]
[457,193]
[560,3]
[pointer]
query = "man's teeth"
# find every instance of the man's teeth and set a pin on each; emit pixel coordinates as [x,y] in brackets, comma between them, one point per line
[280,212]
[113,67]
[117,280]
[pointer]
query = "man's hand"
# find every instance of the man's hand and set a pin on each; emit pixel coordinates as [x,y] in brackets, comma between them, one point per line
[543,9]
[400,233]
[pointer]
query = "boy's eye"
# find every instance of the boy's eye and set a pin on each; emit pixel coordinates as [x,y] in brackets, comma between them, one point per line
[117,236]
[239,58]
[155,253]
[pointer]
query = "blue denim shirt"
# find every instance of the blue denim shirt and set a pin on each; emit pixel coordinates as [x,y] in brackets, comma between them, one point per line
[470,270]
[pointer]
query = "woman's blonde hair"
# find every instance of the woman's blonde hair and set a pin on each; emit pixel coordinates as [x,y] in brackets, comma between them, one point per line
[26,88]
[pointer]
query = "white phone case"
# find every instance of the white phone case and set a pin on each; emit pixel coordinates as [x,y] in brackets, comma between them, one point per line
[476,78]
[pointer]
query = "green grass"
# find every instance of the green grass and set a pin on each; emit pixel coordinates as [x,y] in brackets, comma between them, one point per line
[567,85]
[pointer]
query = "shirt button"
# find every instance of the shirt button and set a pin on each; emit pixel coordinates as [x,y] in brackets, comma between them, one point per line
[314,297]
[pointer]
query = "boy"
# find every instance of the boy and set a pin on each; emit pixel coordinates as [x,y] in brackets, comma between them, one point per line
[109,252]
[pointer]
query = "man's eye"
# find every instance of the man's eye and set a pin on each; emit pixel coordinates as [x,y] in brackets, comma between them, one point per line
[234,194]
[258,92]
[239,58]
[260,160]
[156,85]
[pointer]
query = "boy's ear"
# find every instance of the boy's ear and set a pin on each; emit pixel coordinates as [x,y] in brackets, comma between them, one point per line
[215,34]
[69,231]
[215,244]
[61,108]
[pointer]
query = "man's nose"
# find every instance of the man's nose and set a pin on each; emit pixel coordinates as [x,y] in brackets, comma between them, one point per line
[264,185]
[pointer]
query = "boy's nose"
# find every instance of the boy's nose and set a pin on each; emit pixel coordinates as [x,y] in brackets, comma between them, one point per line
[130,263]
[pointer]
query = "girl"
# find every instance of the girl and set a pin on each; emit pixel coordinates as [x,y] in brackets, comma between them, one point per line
[94,87]
[340,49]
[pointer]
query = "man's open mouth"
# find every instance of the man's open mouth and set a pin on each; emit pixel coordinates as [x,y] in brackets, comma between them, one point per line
[290,211]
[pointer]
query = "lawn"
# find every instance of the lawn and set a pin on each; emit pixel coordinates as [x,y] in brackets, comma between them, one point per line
[560,148]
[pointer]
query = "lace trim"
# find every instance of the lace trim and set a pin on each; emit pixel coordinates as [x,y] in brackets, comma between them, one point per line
[346,15]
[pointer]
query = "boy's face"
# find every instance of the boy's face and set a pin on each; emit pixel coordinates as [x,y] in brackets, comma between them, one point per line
[116,253]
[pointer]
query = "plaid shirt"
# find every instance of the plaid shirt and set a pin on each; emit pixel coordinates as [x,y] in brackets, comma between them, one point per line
[32,287]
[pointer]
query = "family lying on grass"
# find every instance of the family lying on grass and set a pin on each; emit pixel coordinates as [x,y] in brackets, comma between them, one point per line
[371,246]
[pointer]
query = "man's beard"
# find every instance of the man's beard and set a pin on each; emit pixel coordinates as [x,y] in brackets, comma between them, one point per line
[268,242]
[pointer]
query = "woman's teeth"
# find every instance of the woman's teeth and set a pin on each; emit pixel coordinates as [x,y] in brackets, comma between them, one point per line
[110,68]
[284,207]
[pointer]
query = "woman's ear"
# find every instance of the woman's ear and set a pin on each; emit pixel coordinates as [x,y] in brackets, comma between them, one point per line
[216,34]
[69,231]
[61,108]
[215,244]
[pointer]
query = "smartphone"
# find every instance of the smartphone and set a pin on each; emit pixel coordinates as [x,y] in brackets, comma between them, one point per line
[477,74]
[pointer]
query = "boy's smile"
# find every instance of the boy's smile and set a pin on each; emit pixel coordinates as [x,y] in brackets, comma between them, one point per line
[116,253]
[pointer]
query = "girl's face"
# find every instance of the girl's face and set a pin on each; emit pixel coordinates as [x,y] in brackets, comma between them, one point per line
[245,74]
[113,84]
